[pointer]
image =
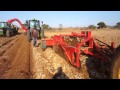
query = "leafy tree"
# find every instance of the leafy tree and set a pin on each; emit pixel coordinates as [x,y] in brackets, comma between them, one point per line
[101,25]
[92,26]
[118,24]
[45,26]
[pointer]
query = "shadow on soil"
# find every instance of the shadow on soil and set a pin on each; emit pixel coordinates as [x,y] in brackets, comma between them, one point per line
[97,69]
[60,74]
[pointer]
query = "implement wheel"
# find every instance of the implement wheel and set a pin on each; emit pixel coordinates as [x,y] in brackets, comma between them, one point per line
[115,72]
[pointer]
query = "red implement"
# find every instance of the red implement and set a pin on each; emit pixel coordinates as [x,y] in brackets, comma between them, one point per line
[87,45]
[15,19]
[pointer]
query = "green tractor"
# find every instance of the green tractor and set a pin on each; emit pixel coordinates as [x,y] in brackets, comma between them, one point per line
[30,25]
[8,29]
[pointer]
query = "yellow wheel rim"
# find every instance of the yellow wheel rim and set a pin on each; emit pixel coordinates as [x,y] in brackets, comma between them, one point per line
[119,73]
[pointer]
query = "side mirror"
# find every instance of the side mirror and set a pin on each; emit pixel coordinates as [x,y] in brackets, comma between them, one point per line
[26,21]
[42,22]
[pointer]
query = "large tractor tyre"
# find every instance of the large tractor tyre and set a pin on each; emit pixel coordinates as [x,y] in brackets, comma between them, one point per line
[42,33]
[115,71]
[12,33]
[115,74]
[8,33]
[16,32]
[39,34]
[29,36]
[4,32]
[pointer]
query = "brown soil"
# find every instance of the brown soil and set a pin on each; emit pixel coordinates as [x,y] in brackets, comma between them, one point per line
[15,61]
[20,60]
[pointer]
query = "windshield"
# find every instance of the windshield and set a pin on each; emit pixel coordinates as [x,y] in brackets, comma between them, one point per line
[2,24]
[32,23]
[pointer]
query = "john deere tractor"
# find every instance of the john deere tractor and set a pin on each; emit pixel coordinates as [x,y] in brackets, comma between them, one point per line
[30,25]
[8,29]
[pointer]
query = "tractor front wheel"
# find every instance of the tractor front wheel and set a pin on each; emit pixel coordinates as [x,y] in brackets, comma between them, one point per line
[29,36]
[8,33]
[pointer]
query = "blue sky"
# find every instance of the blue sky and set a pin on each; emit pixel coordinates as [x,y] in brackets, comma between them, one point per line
[67,18]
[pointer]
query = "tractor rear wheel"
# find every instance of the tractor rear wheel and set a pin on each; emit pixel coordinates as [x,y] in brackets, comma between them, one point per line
[115,72]
[16,31]
[4,32]
[29,36]
[8,33]
[12,33]
[42,33]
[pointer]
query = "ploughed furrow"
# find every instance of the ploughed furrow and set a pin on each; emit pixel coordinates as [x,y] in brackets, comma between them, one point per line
[4,40]
[7,44]
[15,63]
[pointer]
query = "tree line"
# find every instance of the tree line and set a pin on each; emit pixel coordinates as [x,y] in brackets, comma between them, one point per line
[103,25]
[100,25]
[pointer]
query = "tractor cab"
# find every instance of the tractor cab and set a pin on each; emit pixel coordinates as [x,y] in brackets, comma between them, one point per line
[30,24]
[3,25]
